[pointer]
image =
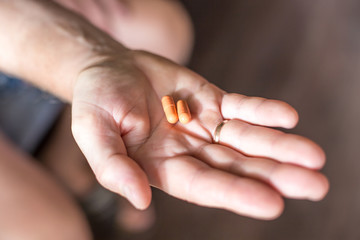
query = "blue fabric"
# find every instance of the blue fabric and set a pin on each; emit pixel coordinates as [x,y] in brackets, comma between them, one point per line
[26,112]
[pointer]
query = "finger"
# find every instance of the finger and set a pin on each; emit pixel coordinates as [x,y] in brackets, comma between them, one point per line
[260,111]
[190,179]
[98,137]
[270,143]
[290,180]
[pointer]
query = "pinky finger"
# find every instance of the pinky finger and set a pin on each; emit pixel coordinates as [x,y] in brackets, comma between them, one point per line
[190,179]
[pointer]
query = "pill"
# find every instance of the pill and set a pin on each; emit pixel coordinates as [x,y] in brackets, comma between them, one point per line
[169,109]
[183,111]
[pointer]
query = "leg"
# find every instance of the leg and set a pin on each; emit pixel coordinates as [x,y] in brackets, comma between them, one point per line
[32,205]
[159,26]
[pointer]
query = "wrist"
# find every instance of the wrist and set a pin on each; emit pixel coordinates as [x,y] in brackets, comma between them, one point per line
[83,47]
[98,50]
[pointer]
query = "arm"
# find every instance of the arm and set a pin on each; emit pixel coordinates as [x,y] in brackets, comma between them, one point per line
[49,45]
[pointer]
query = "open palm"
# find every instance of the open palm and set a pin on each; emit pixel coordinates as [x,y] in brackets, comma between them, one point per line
[119,124]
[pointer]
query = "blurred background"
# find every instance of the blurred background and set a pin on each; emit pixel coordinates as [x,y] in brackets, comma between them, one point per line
[307,53]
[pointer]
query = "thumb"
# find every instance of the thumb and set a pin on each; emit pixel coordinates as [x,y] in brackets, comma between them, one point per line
[98,136]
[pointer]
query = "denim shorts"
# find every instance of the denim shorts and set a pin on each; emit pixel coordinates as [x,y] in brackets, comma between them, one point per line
[26,112]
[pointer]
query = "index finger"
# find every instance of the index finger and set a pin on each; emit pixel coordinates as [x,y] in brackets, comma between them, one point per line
[259,111]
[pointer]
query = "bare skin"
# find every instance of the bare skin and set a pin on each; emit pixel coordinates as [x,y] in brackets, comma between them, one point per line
[33,205]
[63,158]
[119,125]
[162,27]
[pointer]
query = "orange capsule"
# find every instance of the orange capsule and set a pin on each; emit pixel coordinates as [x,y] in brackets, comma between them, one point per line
[183,112]
[169,109]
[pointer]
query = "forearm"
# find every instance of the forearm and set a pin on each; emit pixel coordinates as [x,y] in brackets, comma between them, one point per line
[48,45]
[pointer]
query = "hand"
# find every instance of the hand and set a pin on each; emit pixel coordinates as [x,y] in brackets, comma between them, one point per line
[120,126]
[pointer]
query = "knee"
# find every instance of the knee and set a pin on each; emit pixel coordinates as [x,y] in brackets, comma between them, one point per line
[162,27]
[43,220]
[45,226]
[32,203]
